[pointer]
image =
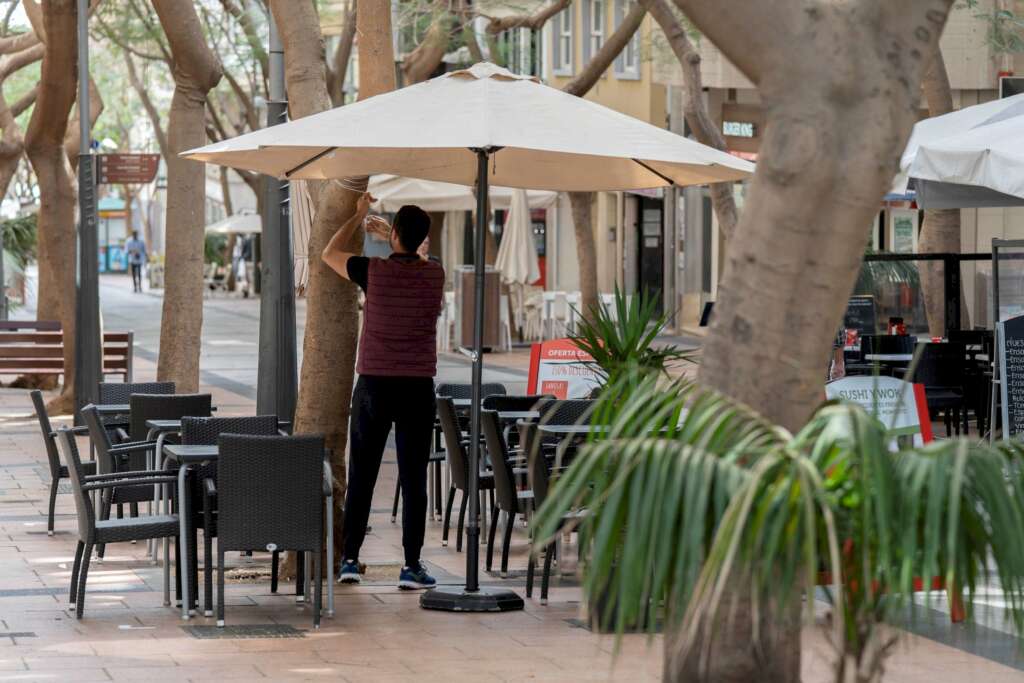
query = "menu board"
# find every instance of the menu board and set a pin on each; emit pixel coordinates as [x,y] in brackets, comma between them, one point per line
[860,316]
[1010,341]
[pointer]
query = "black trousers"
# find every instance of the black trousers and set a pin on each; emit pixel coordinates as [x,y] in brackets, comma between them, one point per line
[377,404]
[136,269]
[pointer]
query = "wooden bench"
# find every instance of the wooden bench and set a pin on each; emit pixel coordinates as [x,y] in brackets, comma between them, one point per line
[31,347]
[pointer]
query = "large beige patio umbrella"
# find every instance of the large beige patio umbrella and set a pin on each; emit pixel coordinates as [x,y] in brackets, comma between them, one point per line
[479,126]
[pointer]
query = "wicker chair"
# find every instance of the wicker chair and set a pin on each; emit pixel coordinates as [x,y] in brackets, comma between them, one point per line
[92,532]
[57,470]
[206,431]
[120,392]
[459,465]
[270,494]
[116,459]
[506,497]
[164,407]
[504,403]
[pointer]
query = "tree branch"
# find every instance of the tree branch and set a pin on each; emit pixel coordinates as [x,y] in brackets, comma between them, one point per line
[424,60]
[22,41]
[342,54]
[533,21]
[13,62]
[24,102]
[600,62]
[147,104]
[244,19]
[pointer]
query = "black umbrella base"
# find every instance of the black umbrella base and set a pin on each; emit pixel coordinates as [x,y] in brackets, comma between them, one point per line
[458,599]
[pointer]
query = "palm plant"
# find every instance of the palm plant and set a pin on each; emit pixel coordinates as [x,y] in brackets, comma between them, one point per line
[621,338]
[689,493]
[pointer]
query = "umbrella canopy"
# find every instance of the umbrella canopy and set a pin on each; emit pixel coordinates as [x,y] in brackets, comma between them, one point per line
[967,158]
[394,191]
[538,136]
[246,223]
[517,255]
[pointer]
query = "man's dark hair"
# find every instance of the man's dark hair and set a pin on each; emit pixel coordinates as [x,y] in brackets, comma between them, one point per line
[411,224]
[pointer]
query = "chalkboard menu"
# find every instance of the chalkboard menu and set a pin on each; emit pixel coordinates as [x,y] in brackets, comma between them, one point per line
[861,315]
[1011,370]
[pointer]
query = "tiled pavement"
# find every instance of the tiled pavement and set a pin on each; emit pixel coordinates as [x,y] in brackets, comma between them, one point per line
[379,634]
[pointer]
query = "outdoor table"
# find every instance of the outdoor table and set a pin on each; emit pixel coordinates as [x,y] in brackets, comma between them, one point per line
[513,415]
[112,408]
[571,430]
[462,402]
[188,456]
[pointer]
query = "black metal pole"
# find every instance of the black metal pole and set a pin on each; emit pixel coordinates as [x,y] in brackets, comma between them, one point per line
[472,598]
[277,380]
[88,368]
[473,491]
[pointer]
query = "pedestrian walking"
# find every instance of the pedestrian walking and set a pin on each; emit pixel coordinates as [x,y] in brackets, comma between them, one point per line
[136,250]
[397,361]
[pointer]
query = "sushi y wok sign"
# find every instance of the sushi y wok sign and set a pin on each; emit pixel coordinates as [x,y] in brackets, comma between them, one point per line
[561,369]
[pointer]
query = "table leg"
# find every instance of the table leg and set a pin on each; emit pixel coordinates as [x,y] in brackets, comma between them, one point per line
[183,543]
[154,507]
[330,556]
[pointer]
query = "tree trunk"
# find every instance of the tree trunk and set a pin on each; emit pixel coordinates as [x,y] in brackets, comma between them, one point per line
[44,143]
[586,250]
[839,83]
[582,202]
[196,72]
[695,110]
[342,55]
[940,232]
[421,63]
[332,314]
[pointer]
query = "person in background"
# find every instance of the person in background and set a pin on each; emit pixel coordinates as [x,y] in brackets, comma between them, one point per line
[136,250]
[397,361]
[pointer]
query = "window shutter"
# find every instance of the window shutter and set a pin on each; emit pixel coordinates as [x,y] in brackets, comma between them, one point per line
[620,60]
[556,43]
[588,8]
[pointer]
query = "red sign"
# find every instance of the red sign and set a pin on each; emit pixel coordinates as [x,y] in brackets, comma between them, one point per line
[117,169]
[562,369]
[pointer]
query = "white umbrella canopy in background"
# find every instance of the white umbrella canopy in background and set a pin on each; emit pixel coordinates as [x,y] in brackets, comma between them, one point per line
[517,254]
[392,192]
[537,136]
[972,157]
[243,223]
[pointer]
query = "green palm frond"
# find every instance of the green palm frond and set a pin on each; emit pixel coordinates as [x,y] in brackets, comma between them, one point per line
[688,493]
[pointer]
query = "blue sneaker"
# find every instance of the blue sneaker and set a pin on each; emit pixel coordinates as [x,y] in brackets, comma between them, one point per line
[349,572]
[415,578]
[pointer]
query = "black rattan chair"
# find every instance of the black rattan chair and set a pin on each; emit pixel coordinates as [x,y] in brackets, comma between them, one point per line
[506,497]
[57,470]
[270,495]
[93,532]
[458,463]
[120,392]
[117,459]
[941,371]
[205,431]
[146,407]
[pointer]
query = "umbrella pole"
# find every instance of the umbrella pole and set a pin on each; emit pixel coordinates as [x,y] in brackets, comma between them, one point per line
[472,598]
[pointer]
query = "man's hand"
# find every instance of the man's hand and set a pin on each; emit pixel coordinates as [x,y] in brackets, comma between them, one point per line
[376,225]
[363,204]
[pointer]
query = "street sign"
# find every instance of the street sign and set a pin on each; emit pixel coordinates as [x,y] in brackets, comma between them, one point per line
[116,169]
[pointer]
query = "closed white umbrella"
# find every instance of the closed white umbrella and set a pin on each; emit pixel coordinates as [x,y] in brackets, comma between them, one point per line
[971,157]
[479,126]
[517,254]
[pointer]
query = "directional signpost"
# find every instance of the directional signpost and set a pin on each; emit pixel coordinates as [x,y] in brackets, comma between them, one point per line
[122,169]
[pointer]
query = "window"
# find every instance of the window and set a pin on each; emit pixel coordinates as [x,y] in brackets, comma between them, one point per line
[595,27]
[627,63]
[562,45]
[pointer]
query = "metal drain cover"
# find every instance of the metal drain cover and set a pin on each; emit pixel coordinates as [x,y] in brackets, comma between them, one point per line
[244,631]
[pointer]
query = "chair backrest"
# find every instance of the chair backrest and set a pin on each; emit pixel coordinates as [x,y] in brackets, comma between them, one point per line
[120,392]
[457,460]
[52,456]
[502,402]
[100,440]
[567,412]
[83,502]
[204,431]
[504,489]
[164,407]
[452,390]
[537,476]
[942,366]
[270,492]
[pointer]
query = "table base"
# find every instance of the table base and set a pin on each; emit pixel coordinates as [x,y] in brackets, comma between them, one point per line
[458,599]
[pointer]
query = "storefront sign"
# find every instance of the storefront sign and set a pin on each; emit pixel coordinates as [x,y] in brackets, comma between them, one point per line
[904,231]
[561,369]
[900,406]
[1010,345]
[738,129]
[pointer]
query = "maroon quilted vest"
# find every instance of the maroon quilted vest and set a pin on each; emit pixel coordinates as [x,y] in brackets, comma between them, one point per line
[403,300]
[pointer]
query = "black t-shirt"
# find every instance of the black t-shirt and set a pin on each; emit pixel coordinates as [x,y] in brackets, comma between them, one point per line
[359,267]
